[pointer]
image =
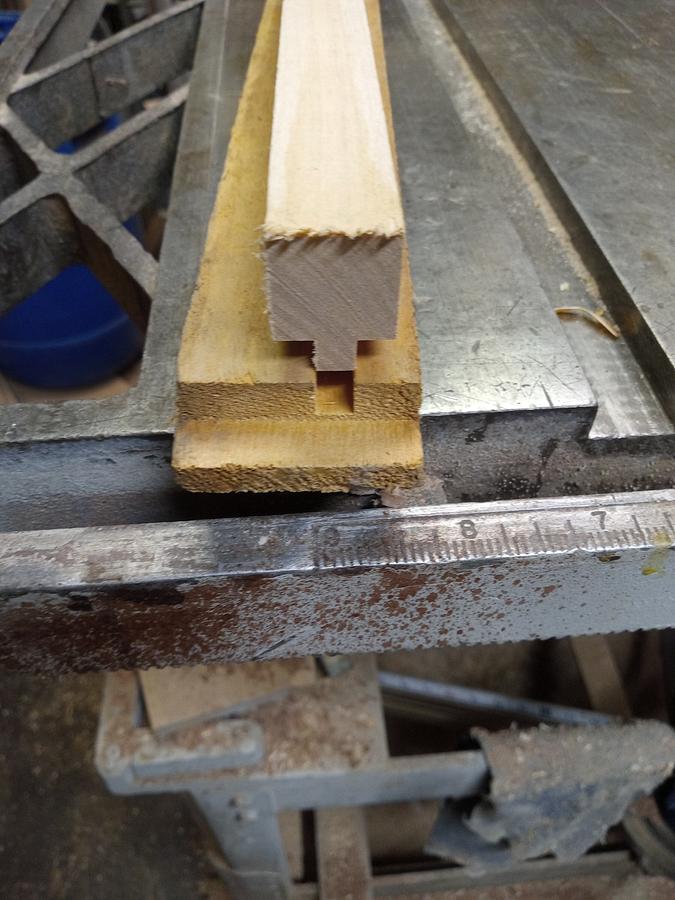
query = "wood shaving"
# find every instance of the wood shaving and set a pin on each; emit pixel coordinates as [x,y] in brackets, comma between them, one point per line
[596,318]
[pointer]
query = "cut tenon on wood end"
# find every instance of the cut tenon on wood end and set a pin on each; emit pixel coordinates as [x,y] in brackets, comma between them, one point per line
[333,231]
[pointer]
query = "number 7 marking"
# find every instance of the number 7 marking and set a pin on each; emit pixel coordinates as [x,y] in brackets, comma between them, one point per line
[601,515]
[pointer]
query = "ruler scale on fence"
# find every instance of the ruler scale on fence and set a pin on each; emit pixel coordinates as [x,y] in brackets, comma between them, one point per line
[361,582]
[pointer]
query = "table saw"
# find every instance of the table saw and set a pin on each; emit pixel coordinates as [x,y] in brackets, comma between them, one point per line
[548,445]
[535,150]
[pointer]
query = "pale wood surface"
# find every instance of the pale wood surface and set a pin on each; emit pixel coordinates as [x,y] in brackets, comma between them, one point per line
[278,455]
[334,223]
[177,698]
[331,168]
[251,413]
[229,366]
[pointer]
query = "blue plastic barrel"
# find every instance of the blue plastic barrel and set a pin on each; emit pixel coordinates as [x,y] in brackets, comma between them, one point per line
[7,21]
[71,332]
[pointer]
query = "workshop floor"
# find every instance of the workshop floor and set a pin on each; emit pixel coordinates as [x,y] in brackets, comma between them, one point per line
[62,835]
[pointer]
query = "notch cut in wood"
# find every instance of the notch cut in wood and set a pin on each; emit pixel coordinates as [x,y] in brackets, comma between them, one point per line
[333,233]
[253,413]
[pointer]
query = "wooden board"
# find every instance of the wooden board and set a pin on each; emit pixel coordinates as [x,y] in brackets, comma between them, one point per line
[237,386]
[601,675]
[277,455]
[343,854]
[177,698]
[333,231]
[229,366]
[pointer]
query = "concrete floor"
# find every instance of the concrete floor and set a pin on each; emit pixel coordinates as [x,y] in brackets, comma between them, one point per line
[62,835]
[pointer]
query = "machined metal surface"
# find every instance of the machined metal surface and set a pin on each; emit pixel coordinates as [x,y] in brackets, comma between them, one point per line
[593,92]
[489,340]
[476,162]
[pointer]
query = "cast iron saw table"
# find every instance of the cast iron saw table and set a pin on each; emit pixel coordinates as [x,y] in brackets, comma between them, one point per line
[535,145]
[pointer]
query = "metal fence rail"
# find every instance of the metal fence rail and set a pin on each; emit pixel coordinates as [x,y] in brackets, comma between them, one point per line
[187,592]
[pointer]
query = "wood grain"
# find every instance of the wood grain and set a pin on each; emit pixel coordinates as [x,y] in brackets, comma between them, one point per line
[237,386]
[177,698]
[287,455]
[333,232]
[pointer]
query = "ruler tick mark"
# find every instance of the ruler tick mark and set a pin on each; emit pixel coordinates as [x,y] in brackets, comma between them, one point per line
[505,535]
[638,528]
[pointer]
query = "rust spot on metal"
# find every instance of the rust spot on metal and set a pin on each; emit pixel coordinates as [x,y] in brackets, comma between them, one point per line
[80,603]
[168,595]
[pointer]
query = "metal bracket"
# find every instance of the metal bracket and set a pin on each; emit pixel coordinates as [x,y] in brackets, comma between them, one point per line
[247,830]
[553,790]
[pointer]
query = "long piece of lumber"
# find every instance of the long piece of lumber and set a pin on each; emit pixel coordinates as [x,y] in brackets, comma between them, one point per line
[333,234]
[277,455]
[229,366]
[253,415]
[180,697]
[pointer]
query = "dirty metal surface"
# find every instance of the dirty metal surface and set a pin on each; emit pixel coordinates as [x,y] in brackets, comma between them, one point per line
[196,750]
[591,86]
[324,746]
[137,596]
[333,725]
[553,790]
[330,756]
